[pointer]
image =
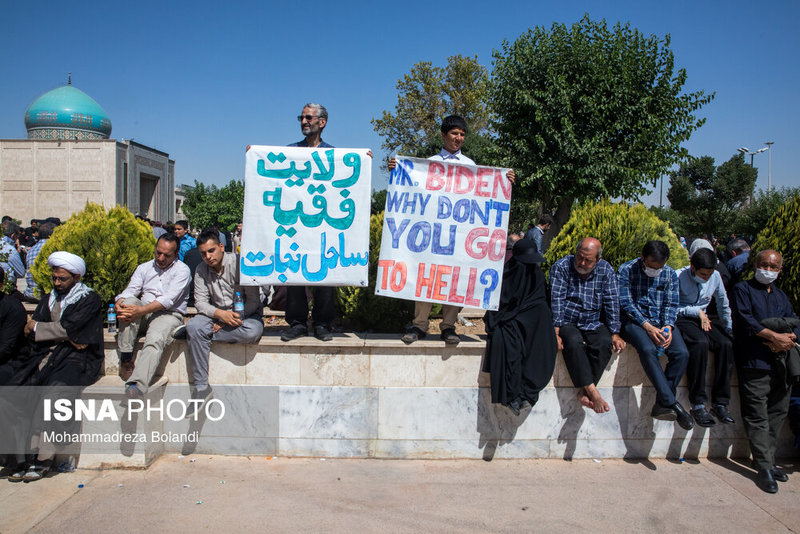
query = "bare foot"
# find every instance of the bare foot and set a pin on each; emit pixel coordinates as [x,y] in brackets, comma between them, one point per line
[599,404]
[584,399]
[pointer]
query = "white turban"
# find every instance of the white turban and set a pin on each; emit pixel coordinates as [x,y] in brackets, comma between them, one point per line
[68,261]
[697,244]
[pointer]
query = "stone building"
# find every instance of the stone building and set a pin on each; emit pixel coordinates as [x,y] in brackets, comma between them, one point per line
[69,159]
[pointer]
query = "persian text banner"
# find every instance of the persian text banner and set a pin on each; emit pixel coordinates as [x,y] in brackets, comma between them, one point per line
[306,216]
[444,233]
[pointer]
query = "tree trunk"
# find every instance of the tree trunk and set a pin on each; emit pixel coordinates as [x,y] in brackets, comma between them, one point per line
[560,218]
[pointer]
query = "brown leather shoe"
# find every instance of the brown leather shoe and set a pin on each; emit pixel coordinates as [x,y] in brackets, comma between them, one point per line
[126,370]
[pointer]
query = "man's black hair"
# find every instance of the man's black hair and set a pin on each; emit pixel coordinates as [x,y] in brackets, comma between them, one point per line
[453,121]
[12,228]
[658,250]
[170,238]
[46,230]
[546,218]
[704,259]
[207,235]
[183,224]
[7,218]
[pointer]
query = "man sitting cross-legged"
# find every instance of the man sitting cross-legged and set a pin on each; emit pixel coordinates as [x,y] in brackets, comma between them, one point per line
[216,282]
[154,303]
[583,286]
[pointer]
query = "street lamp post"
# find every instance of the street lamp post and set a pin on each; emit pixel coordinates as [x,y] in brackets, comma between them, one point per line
[769,172]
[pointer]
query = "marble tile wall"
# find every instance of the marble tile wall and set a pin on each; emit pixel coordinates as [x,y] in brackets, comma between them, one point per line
[373,396]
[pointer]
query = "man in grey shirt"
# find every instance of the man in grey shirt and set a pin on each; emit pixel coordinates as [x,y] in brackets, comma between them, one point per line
[216,282]
[154,303]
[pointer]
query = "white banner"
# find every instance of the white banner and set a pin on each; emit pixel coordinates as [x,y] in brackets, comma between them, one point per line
[444,233]
[306,216]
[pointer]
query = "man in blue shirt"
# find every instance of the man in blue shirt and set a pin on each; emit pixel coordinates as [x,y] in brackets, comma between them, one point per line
[740,250]
[12,265]
[699,283]
[583,286]
[761,363]
[536,234]
[45,231]
[648,296]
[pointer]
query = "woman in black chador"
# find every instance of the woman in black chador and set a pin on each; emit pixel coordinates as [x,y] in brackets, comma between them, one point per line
[521,345]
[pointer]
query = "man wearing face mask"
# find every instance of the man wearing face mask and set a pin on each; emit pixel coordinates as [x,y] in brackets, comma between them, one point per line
[648,297]
[761,364]
[584,299]
[699,283]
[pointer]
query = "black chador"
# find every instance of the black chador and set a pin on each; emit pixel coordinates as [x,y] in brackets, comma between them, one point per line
[521,346]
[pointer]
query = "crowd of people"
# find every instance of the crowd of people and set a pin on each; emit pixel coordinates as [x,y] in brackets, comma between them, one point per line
[587,311]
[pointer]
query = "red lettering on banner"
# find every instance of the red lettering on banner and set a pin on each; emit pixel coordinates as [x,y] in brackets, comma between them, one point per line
[469,299]
[463,174]
[384,264]
[478,251]
[425,281]
[435,179]
[502,181]
[482,183]
[440,284]
[454,297]
[399,268]
[497,245]
[449,186]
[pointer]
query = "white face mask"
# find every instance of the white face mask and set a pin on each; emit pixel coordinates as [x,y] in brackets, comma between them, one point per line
[699,280]
[652,273]
[766,277]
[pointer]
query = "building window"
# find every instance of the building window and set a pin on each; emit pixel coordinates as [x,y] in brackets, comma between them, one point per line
[125,184]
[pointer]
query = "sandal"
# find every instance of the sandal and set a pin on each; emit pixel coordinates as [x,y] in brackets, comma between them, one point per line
[19,475]
[35,472]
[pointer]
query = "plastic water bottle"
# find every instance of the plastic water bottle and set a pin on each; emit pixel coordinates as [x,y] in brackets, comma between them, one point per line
[660,350]
[238,304]
[112,319]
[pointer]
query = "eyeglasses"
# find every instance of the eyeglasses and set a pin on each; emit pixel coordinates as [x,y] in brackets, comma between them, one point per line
[309,118]
[62,279]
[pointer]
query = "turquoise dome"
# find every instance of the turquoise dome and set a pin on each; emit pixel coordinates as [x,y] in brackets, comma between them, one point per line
[66,113]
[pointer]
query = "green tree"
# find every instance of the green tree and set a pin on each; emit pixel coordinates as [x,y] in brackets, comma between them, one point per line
[585,112]
[111,243]
[780,234]
[378,203]
[754,217]
[623,230]
[429,93]
[207,205]
[710,198]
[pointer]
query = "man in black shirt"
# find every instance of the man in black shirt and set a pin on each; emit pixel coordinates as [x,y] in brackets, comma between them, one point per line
[761,363]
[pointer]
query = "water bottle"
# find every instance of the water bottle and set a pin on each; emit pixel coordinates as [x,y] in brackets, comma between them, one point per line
[660,350]
[238,304]
[112,319]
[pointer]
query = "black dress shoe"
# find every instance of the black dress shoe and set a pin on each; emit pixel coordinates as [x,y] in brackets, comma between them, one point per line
[682,416]
[721,412]
[779,474]
[663,413]
[766,482]
[702,417]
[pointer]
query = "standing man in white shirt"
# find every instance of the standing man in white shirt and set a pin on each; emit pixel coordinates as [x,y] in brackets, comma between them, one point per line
[154,303]
[454,130]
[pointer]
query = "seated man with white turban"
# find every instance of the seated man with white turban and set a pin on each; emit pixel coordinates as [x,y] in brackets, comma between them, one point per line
[65,337]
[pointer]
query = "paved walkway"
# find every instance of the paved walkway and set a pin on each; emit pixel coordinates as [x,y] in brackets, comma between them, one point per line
[244,494]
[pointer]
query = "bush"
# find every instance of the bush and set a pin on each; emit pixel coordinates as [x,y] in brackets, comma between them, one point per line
[112,245]
[781,234]
[361,308]
[623,230]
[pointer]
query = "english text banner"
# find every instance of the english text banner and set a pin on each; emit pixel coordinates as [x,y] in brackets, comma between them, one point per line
[444,233]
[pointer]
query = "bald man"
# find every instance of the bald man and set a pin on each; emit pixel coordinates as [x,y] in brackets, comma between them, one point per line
[583,285]
[760,355]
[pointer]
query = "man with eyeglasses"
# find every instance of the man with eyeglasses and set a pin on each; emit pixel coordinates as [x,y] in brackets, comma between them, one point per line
[312,119]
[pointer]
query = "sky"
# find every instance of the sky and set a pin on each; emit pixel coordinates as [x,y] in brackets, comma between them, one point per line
[202,80]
